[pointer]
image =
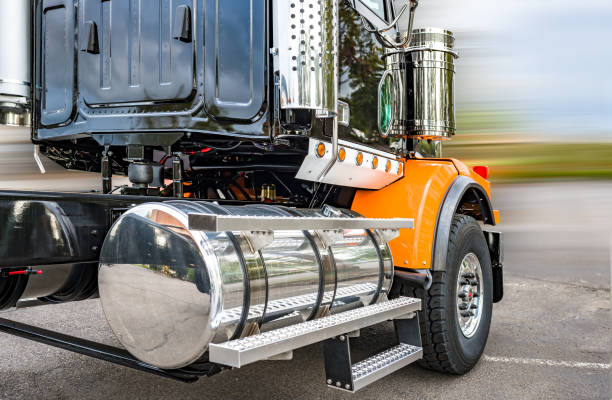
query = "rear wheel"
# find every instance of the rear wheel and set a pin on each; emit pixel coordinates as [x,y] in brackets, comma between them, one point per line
[457,309]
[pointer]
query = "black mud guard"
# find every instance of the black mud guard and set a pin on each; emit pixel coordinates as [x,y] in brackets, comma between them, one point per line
[462,186]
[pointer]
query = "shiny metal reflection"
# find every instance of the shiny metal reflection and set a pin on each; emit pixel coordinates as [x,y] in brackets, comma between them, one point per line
[424,86]
[307,40]
[15,65]
[168,292]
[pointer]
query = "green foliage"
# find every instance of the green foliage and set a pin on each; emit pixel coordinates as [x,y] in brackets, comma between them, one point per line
[535,160]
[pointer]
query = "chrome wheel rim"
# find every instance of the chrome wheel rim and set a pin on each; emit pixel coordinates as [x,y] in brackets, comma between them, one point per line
[469,295]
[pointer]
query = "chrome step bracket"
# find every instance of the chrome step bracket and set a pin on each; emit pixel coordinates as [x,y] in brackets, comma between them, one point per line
[341,374]
[240,352]
[233,223]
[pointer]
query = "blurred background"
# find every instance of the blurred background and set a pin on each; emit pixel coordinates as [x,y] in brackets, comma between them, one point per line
[534,104]
[534,88]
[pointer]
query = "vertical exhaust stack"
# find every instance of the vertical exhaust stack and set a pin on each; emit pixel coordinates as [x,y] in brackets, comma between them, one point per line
[15,65]
[417,91]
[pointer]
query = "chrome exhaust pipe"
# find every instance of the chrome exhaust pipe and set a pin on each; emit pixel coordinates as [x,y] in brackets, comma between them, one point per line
[15,62]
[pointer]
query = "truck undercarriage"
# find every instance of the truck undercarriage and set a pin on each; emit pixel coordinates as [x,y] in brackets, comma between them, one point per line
[286,184]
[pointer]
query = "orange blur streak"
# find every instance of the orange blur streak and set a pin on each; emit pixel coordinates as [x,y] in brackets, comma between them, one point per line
[418,195]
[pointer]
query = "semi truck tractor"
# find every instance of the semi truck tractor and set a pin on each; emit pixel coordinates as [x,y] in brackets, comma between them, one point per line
[286,184]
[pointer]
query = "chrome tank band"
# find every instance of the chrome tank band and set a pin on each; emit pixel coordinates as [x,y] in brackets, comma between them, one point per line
[15,79]
[432,39]
[423,76]
[168,291]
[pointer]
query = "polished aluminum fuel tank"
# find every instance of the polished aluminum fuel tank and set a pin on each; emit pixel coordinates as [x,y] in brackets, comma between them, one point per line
[168,291]
[421,80]
[15,66]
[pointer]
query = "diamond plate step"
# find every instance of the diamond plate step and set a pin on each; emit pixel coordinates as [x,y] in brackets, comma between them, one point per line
[240,352]
[374,368]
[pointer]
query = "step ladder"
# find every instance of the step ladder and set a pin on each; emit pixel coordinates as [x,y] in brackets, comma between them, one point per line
[335,331]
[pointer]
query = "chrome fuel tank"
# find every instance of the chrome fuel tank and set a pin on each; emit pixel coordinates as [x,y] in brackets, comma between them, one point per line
[15,65]
[168,291]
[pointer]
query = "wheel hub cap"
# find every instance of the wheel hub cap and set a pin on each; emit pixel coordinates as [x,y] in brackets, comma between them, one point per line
[469,295]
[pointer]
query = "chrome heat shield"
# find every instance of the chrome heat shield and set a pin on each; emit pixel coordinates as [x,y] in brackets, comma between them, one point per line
[306,33]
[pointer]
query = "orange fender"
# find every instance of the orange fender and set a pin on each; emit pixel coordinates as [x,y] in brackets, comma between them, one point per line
[418,195]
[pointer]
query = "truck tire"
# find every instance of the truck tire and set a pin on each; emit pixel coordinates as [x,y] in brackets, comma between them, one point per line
[453,343]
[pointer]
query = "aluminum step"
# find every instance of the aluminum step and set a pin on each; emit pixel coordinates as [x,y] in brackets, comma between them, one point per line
[221,223]
[240,352]
[374,368]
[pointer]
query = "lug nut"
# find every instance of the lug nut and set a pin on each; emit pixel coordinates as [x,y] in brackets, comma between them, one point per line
[463,306]
[329,381]
[473,306]
[466,314]
[474,283]
[462,295]
[468,275]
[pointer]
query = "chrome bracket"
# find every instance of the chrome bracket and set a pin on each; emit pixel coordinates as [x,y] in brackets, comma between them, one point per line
[257,240]
[330,211]
[107,171]
[389,234]
[406,316]
[354,334]
[329,237]
[39,163]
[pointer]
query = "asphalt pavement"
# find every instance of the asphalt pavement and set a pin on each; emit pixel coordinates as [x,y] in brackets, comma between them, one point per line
[550,337]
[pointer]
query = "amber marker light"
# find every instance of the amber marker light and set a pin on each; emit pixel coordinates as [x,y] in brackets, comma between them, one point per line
[321,149]
[359,159]
[375,162]
[400,168]
[342,154]
[388,166]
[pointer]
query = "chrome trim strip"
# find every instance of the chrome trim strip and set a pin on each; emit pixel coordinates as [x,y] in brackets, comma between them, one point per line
[361,147]
[221,223]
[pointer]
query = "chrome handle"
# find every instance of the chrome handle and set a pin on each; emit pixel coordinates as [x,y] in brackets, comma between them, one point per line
[385,40]
[388,27]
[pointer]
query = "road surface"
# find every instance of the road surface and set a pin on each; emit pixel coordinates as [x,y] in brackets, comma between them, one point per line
[550,336]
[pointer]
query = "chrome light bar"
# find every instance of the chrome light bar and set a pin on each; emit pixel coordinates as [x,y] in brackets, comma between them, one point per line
[229,223]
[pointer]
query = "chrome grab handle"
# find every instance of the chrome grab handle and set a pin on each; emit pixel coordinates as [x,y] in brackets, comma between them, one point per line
[388,27]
